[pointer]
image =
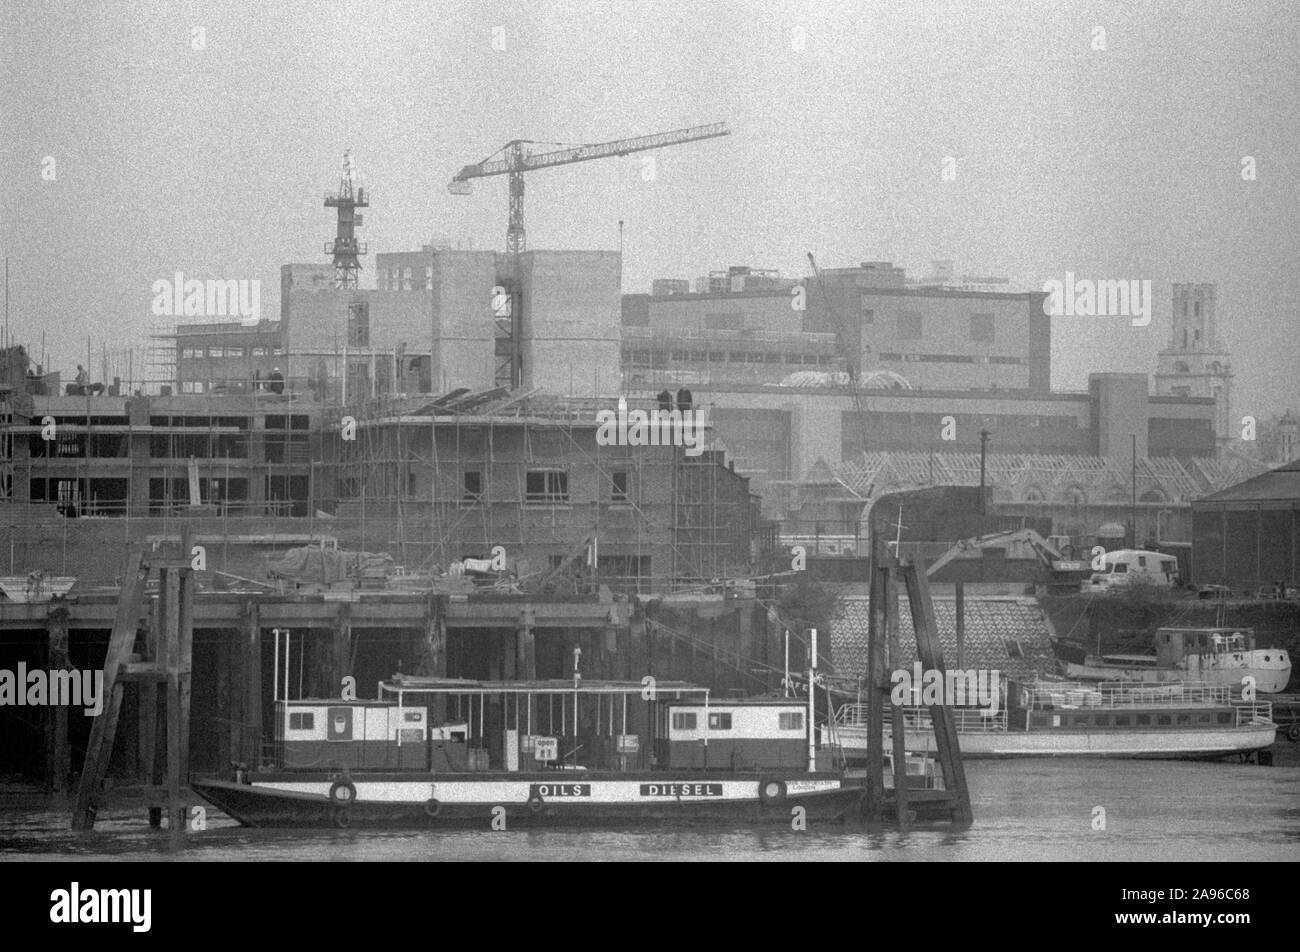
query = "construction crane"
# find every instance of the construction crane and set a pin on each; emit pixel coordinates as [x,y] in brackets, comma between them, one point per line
[516,157]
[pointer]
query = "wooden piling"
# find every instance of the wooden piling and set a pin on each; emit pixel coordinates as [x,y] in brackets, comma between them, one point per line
[930,652]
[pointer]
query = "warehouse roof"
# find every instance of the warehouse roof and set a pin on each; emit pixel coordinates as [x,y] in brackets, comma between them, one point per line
[1282,483]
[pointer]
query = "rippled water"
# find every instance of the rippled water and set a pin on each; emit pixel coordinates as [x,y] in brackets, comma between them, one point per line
[1024,810]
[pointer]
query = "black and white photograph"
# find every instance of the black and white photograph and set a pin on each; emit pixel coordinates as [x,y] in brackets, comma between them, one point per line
[647,431]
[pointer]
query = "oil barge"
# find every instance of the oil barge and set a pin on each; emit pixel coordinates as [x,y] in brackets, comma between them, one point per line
[565,756]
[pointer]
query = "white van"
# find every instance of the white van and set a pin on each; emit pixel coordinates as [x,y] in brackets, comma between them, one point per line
[1128,567]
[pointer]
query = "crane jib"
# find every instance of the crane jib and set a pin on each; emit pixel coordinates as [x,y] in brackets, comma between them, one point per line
[582,153]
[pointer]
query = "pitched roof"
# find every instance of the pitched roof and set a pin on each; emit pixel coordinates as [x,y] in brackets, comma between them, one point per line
[1282,483]
[995,629]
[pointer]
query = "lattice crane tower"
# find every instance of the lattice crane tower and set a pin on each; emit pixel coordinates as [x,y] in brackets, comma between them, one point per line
[345,248]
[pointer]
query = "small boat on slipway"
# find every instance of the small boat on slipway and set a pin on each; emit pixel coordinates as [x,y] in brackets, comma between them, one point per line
[535,754]
[1179,720]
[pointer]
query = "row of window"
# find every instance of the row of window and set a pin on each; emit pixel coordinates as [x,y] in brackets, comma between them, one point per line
[910,325]
[1002,420]
[655,356]
[954,359]
[404,279]
[721,720]
[543,486]
[198,353]
[1187,719]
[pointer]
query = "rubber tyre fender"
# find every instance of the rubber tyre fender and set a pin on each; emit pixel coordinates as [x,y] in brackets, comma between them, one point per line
[535,803]
[432,807]
[1293,733]
[771,792]
[342,817]
[343,793]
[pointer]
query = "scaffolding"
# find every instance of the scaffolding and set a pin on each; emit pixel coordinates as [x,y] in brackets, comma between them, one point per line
[439,481]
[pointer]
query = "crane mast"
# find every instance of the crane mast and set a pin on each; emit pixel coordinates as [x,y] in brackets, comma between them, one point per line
[515,158]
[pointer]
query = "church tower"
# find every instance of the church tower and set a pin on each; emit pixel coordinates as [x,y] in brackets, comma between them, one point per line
[1195,364]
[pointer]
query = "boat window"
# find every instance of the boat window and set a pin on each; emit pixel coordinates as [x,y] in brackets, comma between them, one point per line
[1142,561]
[1080,720]
[1122,720]
[301,722]
[1163,719]
[1202,718]
[1224,717]
[413,717]
[1144,719]
[1183,719]
[683,721]
[720,722]
[791,720]
[1103,720]
[1120,567]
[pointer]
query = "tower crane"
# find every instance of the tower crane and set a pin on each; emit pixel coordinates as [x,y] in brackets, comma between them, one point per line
[517,157]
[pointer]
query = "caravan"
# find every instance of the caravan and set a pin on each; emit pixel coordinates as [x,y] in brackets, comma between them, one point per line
[1128,567]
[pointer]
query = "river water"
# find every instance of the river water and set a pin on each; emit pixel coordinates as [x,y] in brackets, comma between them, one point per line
[1024,810]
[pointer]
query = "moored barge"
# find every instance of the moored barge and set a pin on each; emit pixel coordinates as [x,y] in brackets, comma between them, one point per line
[1182,720]
[521,754]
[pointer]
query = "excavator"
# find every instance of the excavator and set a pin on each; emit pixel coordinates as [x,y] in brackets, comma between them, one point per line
[1062,573]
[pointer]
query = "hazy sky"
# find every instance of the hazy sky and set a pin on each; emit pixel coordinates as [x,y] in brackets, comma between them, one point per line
[1115,163]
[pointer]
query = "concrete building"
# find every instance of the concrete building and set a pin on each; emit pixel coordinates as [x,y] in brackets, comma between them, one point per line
[930,336]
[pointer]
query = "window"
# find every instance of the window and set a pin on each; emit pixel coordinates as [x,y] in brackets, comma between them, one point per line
[909,325]
[1144,720]
[216,352]
[1120,568]
[1102,720]
[234,352]
[473,485]
[619,480]
[719,722]
[683,721]
[1122,720]
[1224,718]
[1014,649]
[546,486]
[359,324]
[790,720]
[412,717]
[406,279]
[302,722]
[981,328]
[1162,720]
[188,353]
[1080,720]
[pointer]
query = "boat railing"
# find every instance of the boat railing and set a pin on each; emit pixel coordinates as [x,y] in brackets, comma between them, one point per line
[851,715]
[969,720]
[1123,694]
[1253,713]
